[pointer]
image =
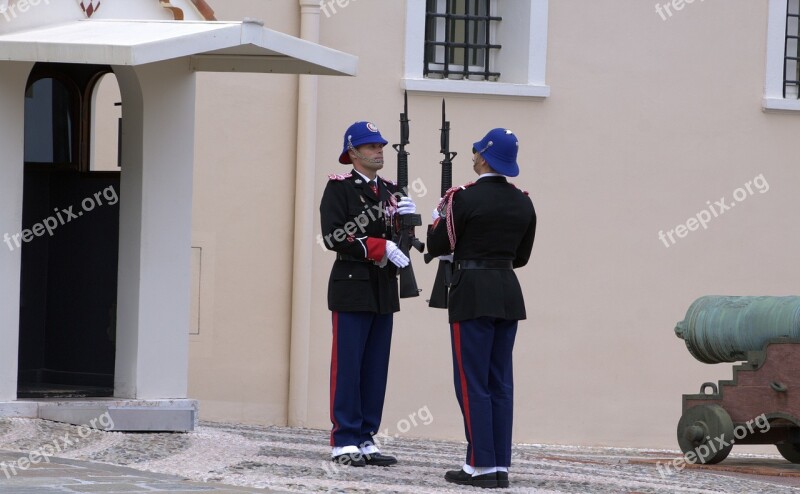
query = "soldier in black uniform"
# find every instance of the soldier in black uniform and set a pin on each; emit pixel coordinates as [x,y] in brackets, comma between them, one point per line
[357,214]
[488,226]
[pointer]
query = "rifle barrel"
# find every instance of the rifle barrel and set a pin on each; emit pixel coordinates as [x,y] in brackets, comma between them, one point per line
[404,236]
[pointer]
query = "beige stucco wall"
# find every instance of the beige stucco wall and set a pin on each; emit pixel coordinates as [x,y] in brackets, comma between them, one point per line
[244,179]
[648,120]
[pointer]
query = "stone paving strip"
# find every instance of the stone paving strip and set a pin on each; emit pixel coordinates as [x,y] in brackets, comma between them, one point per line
[59,475]
[222,458]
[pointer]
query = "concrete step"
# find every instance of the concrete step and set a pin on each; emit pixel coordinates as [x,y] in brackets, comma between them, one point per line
[111,414]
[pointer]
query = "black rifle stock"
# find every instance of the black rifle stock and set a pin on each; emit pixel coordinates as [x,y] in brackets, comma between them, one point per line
[404,236]
[444,273]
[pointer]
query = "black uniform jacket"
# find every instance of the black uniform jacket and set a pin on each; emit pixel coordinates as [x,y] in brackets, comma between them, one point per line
[355,223]
[492,219]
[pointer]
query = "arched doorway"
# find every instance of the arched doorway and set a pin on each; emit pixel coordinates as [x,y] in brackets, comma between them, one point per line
[70,235]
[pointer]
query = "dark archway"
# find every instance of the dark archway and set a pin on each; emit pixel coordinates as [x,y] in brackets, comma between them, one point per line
[69,241]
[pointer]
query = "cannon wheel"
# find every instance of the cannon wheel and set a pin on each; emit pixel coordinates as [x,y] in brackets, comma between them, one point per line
[699,429]
[790,451]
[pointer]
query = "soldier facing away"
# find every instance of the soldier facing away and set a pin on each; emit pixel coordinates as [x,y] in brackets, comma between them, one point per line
[488,227]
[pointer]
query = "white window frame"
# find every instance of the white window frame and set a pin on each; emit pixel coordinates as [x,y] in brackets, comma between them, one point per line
[527,82]
[776,47]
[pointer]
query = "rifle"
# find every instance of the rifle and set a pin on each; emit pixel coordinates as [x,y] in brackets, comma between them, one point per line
[404,236]
[444,273]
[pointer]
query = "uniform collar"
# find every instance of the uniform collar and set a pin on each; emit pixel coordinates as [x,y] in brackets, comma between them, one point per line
[364,185]
[492,177]
[366,180]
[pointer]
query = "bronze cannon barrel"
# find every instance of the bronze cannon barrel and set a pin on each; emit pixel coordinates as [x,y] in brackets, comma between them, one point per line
[723,329]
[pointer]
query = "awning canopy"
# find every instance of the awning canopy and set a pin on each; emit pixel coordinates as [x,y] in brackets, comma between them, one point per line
[212,46]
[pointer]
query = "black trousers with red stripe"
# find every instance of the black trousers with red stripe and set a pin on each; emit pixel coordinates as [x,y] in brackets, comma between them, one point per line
[484,383]
[359,369]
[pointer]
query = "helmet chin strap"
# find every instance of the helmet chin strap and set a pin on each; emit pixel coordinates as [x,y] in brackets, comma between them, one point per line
[490,144]
[359,155]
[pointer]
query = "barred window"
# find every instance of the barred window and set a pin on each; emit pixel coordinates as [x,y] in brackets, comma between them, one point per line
[791,68]
[458,40]
[454,46]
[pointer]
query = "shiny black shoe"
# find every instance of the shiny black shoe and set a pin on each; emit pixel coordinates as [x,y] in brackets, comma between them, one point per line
[350,460]
[460,477]
[502,480]
[379,460]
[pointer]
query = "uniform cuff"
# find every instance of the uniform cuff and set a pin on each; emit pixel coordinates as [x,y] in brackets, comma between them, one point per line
[376,248]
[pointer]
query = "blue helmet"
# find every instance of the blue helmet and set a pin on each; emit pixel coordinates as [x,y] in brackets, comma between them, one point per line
[499,149]
[358,134]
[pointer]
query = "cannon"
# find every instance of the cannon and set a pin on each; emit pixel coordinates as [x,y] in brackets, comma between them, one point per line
[761,404]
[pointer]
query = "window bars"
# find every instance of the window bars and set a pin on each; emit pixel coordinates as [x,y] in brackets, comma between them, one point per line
[791,68]
[458,40]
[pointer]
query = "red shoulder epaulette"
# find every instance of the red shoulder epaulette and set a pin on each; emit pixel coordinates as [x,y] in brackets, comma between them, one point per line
[452,190]
[386,180]
[446,211]
[521,190]
[339,178]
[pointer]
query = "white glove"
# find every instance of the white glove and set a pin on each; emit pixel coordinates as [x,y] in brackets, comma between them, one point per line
[395,255]
[406,206]
[448,258]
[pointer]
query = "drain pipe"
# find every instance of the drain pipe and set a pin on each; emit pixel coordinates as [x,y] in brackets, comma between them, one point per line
[299,346]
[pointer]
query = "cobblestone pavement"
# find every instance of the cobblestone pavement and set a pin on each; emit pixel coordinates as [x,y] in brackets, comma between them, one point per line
[219,457]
